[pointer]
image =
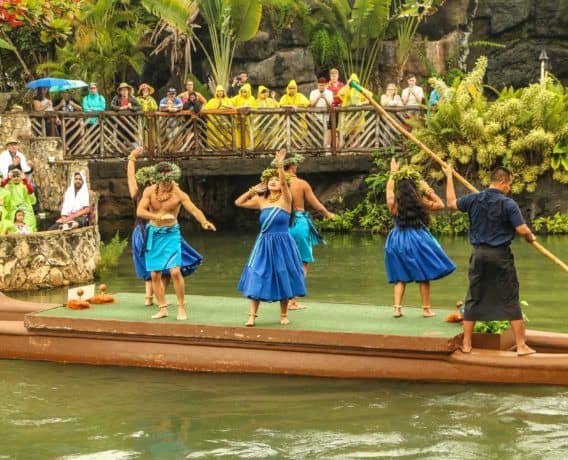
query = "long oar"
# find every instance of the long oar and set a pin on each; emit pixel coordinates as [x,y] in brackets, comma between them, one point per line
[401,129]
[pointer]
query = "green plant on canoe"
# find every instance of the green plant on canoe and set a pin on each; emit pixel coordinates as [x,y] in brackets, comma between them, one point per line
[111,253]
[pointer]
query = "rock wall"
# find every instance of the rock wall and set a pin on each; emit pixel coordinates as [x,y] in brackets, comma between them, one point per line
[48,259]
[525,27]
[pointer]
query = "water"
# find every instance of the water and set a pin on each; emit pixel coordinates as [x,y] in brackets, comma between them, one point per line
[82,412]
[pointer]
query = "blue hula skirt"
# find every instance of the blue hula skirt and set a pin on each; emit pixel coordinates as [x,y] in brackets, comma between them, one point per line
[305,234]
[190,258]
[274,269]
[413,254]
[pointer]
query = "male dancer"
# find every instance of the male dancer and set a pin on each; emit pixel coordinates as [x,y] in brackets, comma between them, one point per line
[494,219]
[160,205]
[303,229]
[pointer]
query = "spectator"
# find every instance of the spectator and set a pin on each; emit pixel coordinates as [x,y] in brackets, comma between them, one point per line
[390,98]
[6,226]
[145,100]
[193,103]
[293,97]
[334,86]
[93,102]
[433,101]
[351,123]
[20,224]
[76,209]
[323,98]
[171,103]
[218,126]
[240,80]
[42,101]
[20,196]
[13,158]
[263,100]
[189,88]
[67,104]
[412,95]
[125,100]
[244,98]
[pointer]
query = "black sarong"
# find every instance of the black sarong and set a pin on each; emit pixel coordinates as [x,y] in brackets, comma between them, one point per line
[493,293]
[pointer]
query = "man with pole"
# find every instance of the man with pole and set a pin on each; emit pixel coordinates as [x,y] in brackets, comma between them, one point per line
[493,293]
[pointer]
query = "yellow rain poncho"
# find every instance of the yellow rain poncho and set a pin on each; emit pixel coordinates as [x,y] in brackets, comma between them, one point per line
[350,123]
[267,102]
[296,100]
[244,99]
[219,127]
[266,133]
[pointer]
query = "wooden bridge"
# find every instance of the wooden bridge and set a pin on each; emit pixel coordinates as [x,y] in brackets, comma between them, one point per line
[242,132]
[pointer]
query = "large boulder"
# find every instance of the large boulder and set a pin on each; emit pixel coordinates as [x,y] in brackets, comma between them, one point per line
[551,18]
[451,17]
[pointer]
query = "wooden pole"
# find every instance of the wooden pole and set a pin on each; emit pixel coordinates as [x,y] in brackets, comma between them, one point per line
[401,129]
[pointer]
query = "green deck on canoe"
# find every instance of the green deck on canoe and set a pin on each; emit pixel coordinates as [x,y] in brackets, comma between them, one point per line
[232,311]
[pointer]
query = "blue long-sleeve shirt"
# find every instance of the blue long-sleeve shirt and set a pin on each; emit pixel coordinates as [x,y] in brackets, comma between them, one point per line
[93,102]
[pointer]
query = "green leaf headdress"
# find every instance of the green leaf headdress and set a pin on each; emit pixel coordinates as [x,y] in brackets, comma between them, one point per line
[406,172]
[295,159]
[166,171]
[272,172]
[145,176]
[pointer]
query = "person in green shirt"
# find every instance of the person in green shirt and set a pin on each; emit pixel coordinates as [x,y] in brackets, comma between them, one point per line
[20,195]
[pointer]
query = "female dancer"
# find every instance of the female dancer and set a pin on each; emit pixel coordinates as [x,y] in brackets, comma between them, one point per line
[274,269]
[411,252]
[137,181]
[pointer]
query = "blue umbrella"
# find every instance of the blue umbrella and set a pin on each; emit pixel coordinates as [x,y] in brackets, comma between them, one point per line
[70,84]
[47,82]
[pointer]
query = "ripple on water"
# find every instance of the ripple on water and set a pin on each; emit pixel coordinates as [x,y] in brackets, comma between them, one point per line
[236,449]
[41,422]
[104,455]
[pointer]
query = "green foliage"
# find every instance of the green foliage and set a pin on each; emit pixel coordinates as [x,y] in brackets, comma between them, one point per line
[283,13]
[453,223]
[497,327]
[491,327]
[521,129]
[555,225]
[106,45]
[111,253]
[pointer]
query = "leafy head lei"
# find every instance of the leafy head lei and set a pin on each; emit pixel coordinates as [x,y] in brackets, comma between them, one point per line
[166,172]
[145,176]
[406,172]
[272,172]
[295,159]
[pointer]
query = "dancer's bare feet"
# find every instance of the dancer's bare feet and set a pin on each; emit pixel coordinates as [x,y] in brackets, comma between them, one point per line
[148,300]
[525,350]
[427,312]
[182,314]
[294,305]
[250,322]
[397,311]
[162,313]
[465,348]
[284,320]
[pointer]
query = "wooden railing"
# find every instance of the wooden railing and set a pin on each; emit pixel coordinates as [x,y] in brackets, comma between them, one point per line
[242,132]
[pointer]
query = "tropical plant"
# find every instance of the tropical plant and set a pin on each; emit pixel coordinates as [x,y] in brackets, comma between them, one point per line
[555,225]
[174,31]
[111,253]
[521,129]
[410,14]
[106,44]
[52,20]
[229,22]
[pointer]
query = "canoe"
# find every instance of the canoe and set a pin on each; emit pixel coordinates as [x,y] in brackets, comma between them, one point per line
[366,343]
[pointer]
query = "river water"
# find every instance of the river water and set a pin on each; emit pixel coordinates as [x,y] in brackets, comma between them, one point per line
[83,412]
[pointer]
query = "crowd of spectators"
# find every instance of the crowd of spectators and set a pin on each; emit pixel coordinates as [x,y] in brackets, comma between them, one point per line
[328,93]
[19,196]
